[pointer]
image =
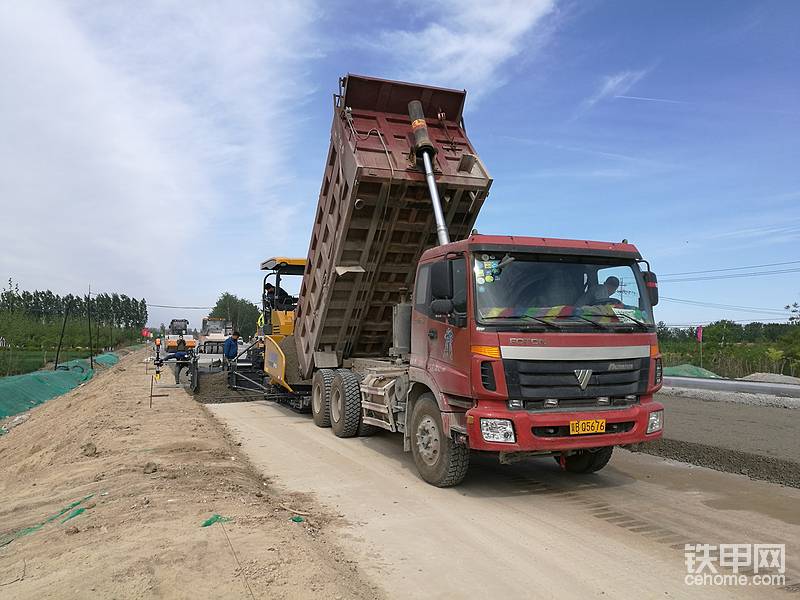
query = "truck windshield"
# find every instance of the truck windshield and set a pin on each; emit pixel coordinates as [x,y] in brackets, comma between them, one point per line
[566,292]
[215,326]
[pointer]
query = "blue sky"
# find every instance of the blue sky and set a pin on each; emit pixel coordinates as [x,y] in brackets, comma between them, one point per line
[163,149]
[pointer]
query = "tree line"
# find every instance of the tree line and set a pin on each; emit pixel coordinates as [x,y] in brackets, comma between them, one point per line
[735,349]
[117,310]
[31,324]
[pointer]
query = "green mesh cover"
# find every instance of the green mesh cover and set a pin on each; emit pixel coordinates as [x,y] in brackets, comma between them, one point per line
[107,360]
[689,371]
[19,393]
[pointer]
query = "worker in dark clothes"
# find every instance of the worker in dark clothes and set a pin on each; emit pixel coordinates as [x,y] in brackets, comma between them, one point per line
[231,348]
[278,298]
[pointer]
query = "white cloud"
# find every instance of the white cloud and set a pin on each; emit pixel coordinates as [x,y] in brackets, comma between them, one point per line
[613,85]
[132,131]
[465,42]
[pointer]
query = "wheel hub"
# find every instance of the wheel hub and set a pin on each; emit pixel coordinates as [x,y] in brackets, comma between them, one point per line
[428,440]
[336,407]
[316,399]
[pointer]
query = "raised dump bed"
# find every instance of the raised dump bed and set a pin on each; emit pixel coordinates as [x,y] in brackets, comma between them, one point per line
[374,216]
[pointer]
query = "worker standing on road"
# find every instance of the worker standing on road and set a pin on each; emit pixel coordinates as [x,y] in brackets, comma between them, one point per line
[231,348]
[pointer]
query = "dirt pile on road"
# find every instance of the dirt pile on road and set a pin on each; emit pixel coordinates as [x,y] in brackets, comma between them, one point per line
[105,497]
[213,389]
[772,378]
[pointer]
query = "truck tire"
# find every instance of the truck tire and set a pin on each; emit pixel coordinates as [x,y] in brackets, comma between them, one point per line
[321,397]
[439,460]
[365,429]
[345,403]
[588,461]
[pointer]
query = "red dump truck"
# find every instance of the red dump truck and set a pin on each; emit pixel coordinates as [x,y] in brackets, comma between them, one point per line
[518,346]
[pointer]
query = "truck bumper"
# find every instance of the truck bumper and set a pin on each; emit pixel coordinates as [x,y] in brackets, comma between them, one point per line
[549,431]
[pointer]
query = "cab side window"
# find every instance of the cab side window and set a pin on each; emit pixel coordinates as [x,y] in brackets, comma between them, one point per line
[422,290]
[460,286]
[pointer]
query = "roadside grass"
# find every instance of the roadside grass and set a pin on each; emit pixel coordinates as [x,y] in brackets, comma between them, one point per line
[14,361]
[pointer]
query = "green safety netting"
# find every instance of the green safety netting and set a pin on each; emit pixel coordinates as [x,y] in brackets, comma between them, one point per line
[687,370]
[19,393]
[107,360]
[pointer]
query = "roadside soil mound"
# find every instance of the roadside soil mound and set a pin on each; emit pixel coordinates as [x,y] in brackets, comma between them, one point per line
[105,497]
[772,378]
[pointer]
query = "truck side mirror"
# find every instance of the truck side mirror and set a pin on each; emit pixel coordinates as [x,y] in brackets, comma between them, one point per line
[442,307]
[651,283]
[442,280]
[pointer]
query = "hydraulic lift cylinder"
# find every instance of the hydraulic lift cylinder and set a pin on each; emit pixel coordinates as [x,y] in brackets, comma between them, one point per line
[425,150]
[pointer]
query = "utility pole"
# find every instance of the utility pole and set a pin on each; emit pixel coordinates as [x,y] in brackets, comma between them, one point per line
[89,318]
[97,332]
[61,339]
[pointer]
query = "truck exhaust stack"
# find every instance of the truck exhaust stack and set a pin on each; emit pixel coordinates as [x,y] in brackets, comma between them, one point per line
[424,148]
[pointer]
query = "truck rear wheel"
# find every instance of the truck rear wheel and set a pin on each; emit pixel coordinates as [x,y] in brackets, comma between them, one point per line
[345,403]
[439,460]
[588,461]
[366,430]
[321,397]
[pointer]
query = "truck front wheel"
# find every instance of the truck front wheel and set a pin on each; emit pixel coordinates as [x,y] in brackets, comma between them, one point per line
[588,461]
[321,397]
[345,403]
[439,460]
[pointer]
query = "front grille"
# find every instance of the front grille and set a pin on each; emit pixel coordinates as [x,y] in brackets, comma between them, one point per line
[563,430]
[534,381]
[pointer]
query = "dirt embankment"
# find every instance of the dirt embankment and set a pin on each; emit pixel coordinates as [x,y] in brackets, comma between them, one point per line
[104,497]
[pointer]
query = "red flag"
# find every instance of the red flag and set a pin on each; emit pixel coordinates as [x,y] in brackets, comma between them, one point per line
[700,334]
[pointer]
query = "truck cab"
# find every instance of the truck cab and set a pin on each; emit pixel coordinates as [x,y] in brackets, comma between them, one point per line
[538,345]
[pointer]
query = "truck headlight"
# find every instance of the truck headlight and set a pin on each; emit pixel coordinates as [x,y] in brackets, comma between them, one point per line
[655,421]
[497,430]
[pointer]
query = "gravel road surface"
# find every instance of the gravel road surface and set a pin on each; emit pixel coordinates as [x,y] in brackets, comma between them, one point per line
[526,530]
[759,441]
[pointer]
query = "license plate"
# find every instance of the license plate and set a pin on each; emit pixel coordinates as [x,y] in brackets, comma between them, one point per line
[587,426]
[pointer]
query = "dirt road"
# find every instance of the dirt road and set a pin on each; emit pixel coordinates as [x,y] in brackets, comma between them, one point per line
[520,531]
[104,497]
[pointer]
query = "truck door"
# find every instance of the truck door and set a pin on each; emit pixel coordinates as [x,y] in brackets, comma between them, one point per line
[419,317]
[448,338]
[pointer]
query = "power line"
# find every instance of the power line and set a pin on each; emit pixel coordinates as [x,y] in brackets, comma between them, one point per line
[149,305]
[778,264]
[771,311]
[766,321]
[731,276]
[181,307]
